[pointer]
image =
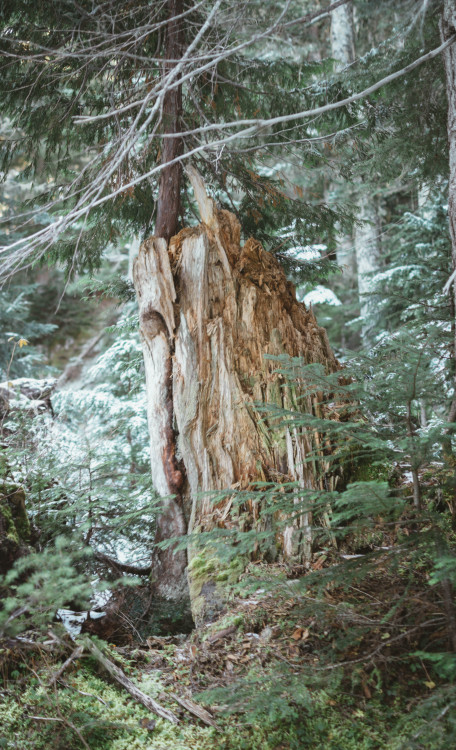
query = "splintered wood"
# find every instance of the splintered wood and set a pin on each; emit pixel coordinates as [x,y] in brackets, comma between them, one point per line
[213,309]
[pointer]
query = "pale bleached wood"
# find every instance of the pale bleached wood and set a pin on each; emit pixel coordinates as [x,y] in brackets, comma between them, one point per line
[232,309]
[78,651]
[196,710]
[120,677]
[156,295]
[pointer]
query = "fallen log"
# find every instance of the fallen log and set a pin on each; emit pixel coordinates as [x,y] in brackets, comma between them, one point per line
[128,685]
[196,710]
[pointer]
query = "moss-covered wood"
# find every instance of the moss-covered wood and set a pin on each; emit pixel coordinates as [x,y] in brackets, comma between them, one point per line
[14,525]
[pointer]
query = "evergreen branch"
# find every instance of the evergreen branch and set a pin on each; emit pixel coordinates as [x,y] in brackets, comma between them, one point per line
[122,567]
[92,197]
[258,124]
[310,18]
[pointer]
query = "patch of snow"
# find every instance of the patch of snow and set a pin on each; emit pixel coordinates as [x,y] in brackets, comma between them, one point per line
[412,270]
[307,252]
[73,621]
[319,295]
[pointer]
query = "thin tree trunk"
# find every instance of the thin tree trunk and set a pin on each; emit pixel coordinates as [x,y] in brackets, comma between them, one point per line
[210,310]
[365,244]
[157,329]
[411,433]
[343,53]
[168,205]
[367,260]
[447,30]
[342,35]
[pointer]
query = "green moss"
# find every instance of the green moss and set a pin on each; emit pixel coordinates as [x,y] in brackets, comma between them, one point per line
[13,510]
[113,723]
[210,582]
[8,522]
[371,471]
[269,717]
[202,565]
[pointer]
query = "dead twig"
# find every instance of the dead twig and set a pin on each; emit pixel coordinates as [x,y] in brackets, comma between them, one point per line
[75,655]
[61,718]
[82,692]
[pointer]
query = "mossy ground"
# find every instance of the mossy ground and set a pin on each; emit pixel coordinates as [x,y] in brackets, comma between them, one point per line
[265,672]
[116,722]
[302,657]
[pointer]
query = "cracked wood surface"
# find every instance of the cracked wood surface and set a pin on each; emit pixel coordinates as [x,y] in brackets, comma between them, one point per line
[211,309]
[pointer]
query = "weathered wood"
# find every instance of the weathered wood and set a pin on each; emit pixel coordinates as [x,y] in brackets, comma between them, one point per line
[129,686]
[156,297]
[196,710]
[210,310]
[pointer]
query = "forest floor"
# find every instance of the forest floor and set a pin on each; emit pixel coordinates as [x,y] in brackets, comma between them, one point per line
[338,668]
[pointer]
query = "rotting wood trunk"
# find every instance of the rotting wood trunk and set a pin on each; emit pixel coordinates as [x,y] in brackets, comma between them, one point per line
[156,297]
[168,205]
[210,310]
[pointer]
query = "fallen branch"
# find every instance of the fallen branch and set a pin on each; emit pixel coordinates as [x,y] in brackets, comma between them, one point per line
[222,634]
[19,644]
[129,686]
[75,655]
[82,692]
[44,718]
[122,567]
[196,710]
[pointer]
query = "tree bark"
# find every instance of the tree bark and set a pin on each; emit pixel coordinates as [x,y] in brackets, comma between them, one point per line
[342,35]
[365,242]
[447,30]
[368,259]
[156,294]
[343,53]
[210,310]
[168,205]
